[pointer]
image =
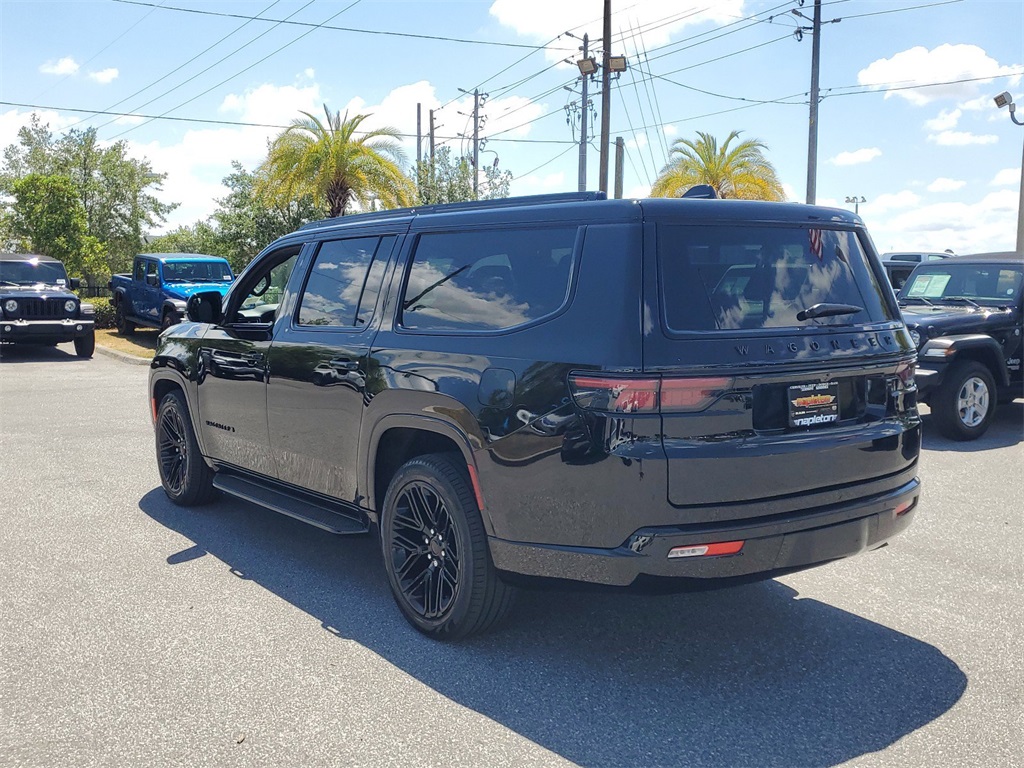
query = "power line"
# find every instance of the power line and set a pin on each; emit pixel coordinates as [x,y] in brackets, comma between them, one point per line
[548,162]
[355,30]
[246,69]
[185,64]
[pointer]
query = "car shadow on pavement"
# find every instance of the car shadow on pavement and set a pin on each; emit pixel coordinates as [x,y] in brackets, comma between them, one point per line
[34,353]
[752,675]
[1006,429]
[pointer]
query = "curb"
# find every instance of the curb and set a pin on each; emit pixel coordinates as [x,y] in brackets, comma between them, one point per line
[122,356]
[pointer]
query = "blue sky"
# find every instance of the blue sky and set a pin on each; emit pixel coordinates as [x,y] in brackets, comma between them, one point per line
[938,165]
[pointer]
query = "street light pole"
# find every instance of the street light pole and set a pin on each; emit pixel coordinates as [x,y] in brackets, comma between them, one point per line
[1004,99]
[856,202]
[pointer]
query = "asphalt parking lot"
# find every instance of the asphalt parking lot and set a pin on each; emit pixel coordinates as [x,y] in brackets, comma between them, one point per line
[133,632]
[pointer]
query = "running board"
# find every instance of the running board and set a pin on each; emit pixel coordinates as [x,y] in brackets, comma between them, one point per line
[319,512]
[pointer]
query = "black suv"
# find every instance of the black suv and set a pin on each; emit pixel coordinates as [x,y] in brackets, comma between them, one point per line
[680,392]
[38,307]
[964,313]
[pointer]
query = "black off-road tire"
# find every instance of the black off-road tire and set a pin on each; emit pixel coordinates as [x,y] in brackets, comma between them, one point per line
[435,551]
[186,477]
[169,319]
[124,326]
[86,345]
[963,405]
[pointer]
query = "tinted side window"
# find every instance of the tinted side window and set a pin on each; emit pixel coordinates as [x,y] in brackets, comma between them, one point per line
[140,269]
[337,282]
[762,277]
[487,280]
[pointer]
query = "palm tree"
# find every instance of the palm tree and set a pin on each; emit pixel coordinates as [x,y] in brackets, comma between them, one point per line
[741,171]
[330,162]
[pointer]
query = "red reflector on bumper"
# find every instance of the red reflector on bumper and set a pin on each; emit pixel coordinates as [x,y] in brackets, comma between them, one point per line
[903,508]
[707,550]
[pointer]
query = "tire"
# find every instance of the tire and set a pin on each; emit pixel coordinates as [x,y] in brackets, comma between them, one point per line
[964,403]
[185,476]
[124,326]
[169,319]
[435,551]
[86,345]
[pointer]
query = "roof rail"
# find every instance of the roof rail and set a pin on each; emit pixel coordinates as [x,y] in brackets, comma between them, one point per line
[470,205]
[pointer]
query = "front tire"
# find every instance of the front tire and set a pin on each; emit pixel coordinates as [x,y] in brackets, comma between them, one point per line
[435,551]
[86,345]
[169,319]
[965,402]
[184,474]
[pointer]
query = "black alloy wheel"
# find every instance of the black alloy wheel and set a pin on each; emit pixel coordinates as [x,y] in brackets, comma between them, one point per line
[435,550]
[124,326]
[186,478]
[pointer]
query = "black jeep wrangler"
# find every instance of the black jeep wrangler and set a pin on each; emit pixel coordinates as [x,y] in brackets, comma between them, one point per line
[656,392]
[964,313]
[38,307]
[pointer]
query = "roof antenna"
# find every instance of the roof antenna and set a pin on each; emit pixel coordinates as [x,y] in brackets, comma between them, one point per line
[702,192]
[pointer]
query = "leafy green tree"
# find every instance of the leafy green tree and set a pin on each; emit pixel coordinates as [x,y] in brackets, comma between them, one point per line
[247,222]
[740,171]
[49,219]
[336,164]
[445,179]
[115,190]
[201,237]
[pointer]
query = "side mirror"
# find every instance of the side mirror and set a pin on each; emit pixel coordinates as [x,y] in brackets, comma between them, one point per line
[76,283]
[204,307]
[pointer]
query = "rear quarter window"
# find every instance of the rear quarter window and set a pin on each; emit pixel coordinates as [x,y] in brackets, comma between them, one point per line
[749,277]
[487,280]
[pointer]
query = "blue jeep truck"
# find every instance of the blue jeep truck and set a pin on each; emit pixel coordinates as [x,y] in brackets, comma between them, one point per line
[155,292]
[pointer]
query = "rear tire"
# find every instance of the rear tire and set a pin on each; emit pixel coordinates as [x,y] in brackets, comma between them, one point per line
[965,402]
[185,476]
[86,345]
[435,551]
[124,326]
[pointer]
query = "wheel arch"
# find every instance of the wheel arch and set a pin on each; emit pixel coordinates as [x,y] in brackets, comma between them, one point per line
[977,347]
[165,380]
[397,438]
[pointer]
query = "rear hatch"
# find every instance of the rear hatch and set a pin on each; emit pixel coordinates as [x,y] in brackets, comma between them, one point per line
[784,368]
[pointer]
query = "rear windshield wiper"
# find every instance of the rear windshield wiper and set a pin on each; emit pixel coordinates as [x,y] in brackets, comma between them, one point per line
[962,298]
[9,282]
[908,299]
[825,309]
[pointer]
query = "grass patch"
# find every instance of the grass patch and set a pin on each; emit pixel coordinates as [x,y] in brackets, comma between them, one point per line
[142,343]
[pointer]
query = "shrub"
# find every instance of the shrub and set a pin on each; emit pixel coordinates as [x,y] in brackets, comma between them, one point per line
[104,311]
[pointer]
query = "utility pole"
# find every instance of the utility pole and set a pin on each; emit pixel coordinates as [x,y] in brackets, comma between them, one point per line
[812,137]
[431,137]
[476,143]
[606,94]
[620,156]
[419,135]
[583,121]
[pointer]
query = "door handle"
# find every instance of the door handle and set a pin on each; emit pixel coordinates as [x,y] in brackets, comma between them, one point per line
[228,358]
[344,364]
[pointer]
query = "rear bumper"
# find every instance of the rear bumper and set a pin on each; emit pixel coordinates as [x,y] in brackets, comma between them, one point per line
[773,546]
[28,331]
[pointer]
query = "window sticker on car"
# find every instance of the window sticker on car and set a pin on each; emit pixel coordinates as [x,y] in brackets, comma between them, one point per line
[929,286]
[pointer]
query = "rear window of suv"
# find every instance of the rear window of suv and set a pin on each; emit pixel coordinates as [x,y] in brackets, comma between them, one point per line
[749,277]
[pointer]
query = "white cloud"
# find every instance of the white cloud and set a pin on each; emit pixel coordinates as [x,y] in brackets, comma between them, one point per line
[670,130]
[857,157]
[944,64]
[961,138]
[986,225]
[894,201]
[946,120]
[13,120]
[539,184]
[1006,177]
[65,66]
[309,73]
[638,192]
[543,20]
[945,185]
[104,76]
[272,104]
[639,141]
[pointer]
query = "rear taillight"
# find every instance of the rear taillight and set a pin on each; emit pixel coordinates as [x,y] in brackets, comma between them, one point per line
[646,394]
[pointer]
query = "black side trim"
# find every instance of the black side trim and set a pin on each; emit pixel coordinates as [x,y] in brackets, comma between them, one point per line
[315,510]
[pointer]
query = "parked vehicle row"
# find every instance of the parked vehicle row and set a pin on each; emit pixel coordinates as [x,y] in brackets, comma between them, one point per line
[37,305]
[154,293]
[674,392]
[965,316]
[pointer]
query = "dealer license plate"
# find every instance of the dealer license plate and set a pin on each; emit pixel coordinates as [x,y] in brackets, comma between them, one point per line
[813,405]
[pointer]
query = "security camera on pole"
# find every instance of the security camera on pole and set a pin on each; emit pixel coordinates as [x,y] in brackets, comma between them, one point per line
[1004,99]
